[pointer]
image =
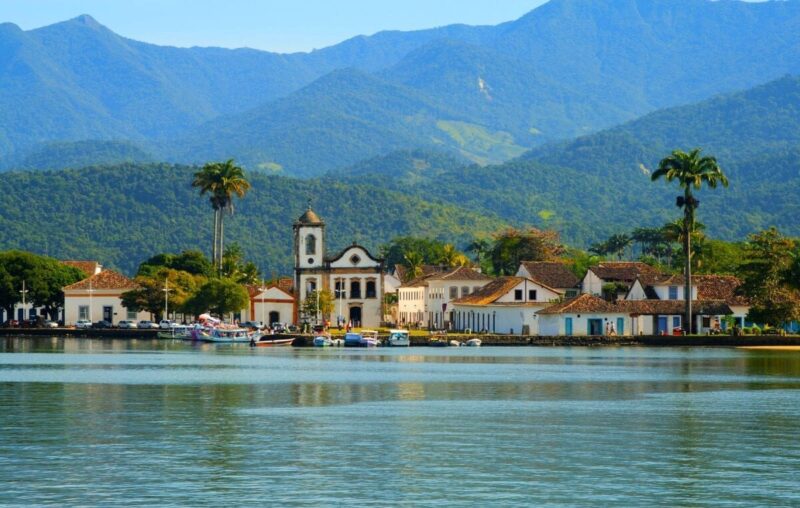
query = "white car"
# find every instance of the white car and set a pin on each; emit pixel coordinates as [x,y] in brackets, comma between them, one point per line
[166,324]
[50,324]
[83,323]
[147,324]
[127,324]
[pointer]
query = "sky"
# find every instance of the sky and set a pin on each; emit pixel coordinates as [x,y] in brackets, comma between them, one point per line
[273,25]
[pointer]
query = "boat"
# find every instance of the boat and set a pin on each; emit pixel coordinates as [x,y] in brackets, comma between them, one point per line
[473,343]
[455,343]
[220,334]
[178,332]
[367,338]
[272,341]
[322,341]
[398,338]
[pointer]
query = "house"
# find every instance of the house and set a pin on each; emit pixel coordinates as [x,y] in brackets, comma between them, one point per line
[353,276]
[504,305]
[552,274]
[425,301]
[585,314]
[621,273]
[271,304]
[401,272]
[99,297]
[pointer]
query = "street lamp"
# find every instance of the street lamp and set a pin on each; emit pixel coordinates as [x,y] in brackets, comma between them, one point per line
[24,292]
[166,291]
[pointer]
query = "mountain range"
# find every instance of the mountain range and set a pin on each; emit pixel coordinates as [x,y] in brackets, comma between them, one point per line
[486,94]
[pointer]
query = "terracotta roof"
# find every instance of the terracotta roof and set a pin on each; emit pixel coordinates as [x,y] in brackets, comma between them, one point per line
[623,271]
[552,274]
[719,287]
[661,279]
[491,291]
[87,267]
[673,307]
[309,218]
[255,290]
[580,304]
[458,274]
[107,279]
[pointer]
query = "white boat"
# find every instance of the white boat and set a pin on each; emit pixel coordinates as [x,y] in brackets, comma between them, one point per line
[474,343]
[322,341]
[398,338]
[455,343]
[177,332]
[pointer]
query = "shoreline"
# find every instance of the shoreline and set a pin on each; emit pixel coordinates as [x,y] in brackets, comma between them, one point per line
[775,342]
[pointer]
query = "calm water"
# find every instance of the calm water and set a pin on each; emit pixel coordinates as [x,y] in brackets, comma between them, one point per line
[108,423]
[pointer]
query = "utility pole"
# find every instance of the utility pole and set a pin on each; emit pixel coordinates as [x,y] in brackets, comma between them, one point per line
[90,291]
[262,289]
[166,298]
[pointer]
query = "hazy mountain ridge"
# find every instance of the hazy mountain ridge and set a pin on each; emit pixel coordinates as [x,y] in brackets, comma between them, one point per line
[567,68]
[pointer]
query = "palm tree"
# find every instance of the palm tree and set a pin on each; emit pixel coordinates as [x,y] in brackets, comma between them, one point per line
[691,171]
[222,180]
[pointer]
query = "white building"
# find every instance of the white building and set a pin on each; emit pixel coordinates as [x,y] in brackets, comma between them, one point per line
[504,305]
[99,297]
[426,300]
[269,305]
[353,276]
[552,274]
[622,273]
[584,315]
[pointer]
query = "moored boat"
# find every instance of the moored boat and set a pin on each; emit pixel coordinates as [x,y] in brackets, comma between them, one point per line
[367,338]
[272,341]
[322,341]
[178,332]
[473,343]
[398,338]
[222,335]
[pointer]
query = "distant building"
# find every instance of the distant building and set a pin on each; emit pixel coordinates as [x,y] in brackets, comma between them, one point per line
[272,304]
[99,297]
[623,273]
[353,276]
[552,274]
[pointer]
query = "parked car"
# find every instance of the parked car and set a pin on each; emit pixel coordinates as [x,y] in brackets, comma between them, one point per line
[103,324]
[147,325]
[166,324]
[11,323]
[127,324]
[51,324]
[83,323]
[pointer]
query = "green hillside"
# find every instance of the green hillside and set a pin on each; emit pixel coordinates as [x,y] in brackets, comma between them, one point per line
[122,215]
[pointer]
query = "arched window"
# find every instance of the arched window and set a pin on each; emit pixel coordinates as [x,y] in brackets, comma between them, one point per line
[311,245]
[371,293]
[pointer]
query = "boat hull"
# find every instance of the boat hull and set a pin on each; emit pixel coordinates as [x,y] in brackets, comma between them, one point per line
[274,342]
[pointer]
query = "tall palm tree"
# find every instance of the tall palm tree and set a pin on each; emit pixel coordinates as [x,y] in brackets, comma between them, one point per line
[691,171]
[222,180]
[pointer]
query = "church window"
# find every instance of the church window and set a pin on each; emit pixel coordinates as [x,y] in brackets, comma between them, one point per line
[355,289]
[371,293]
[311,245]
[355,259]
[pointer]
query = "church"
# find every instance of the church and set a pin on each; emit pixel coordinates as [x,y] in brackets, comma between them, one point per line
[353,276]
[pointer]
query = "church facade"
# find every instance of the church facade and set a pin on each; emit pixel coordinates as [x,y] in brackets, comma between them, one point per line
[353,276]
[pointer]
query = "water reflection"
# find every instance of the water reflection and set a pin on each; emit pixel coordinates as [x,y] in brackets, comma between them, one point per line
[148,422]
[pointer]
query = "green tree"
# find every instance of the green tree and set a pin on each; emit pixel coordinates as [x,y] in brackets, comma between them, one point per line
[222,180]
[691,172]
[150,295]
[220,296]
[512,246]
[44,279]
[235,267]
[318,304]
[767,278]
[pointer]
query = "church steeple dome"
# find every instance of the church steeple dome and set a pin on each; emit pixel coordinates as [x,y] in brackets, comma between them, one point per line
[309,218]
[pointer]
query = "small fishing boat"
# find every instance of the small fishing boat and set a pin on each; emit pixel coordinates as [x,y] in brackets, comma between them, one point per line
[398,338]
[367,338]
[272,341]
[455,343]
[473,343]
[178,332]
[323,341]
[222,335]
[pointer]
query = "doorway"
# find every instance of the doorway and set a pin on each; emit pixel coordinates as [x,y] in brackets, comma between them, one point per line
[274,317]
[355,316]
[108,314]
[595,327]
[662,325]
[568,326]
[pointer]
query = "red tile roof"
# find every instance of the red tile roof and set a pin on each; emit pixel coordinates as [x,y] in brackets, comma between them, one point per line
[552,274]
[455,274]
[581,304]
[673,307]
[87,267]
[107,279]
[491,291]
[719,287]
[623,271]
